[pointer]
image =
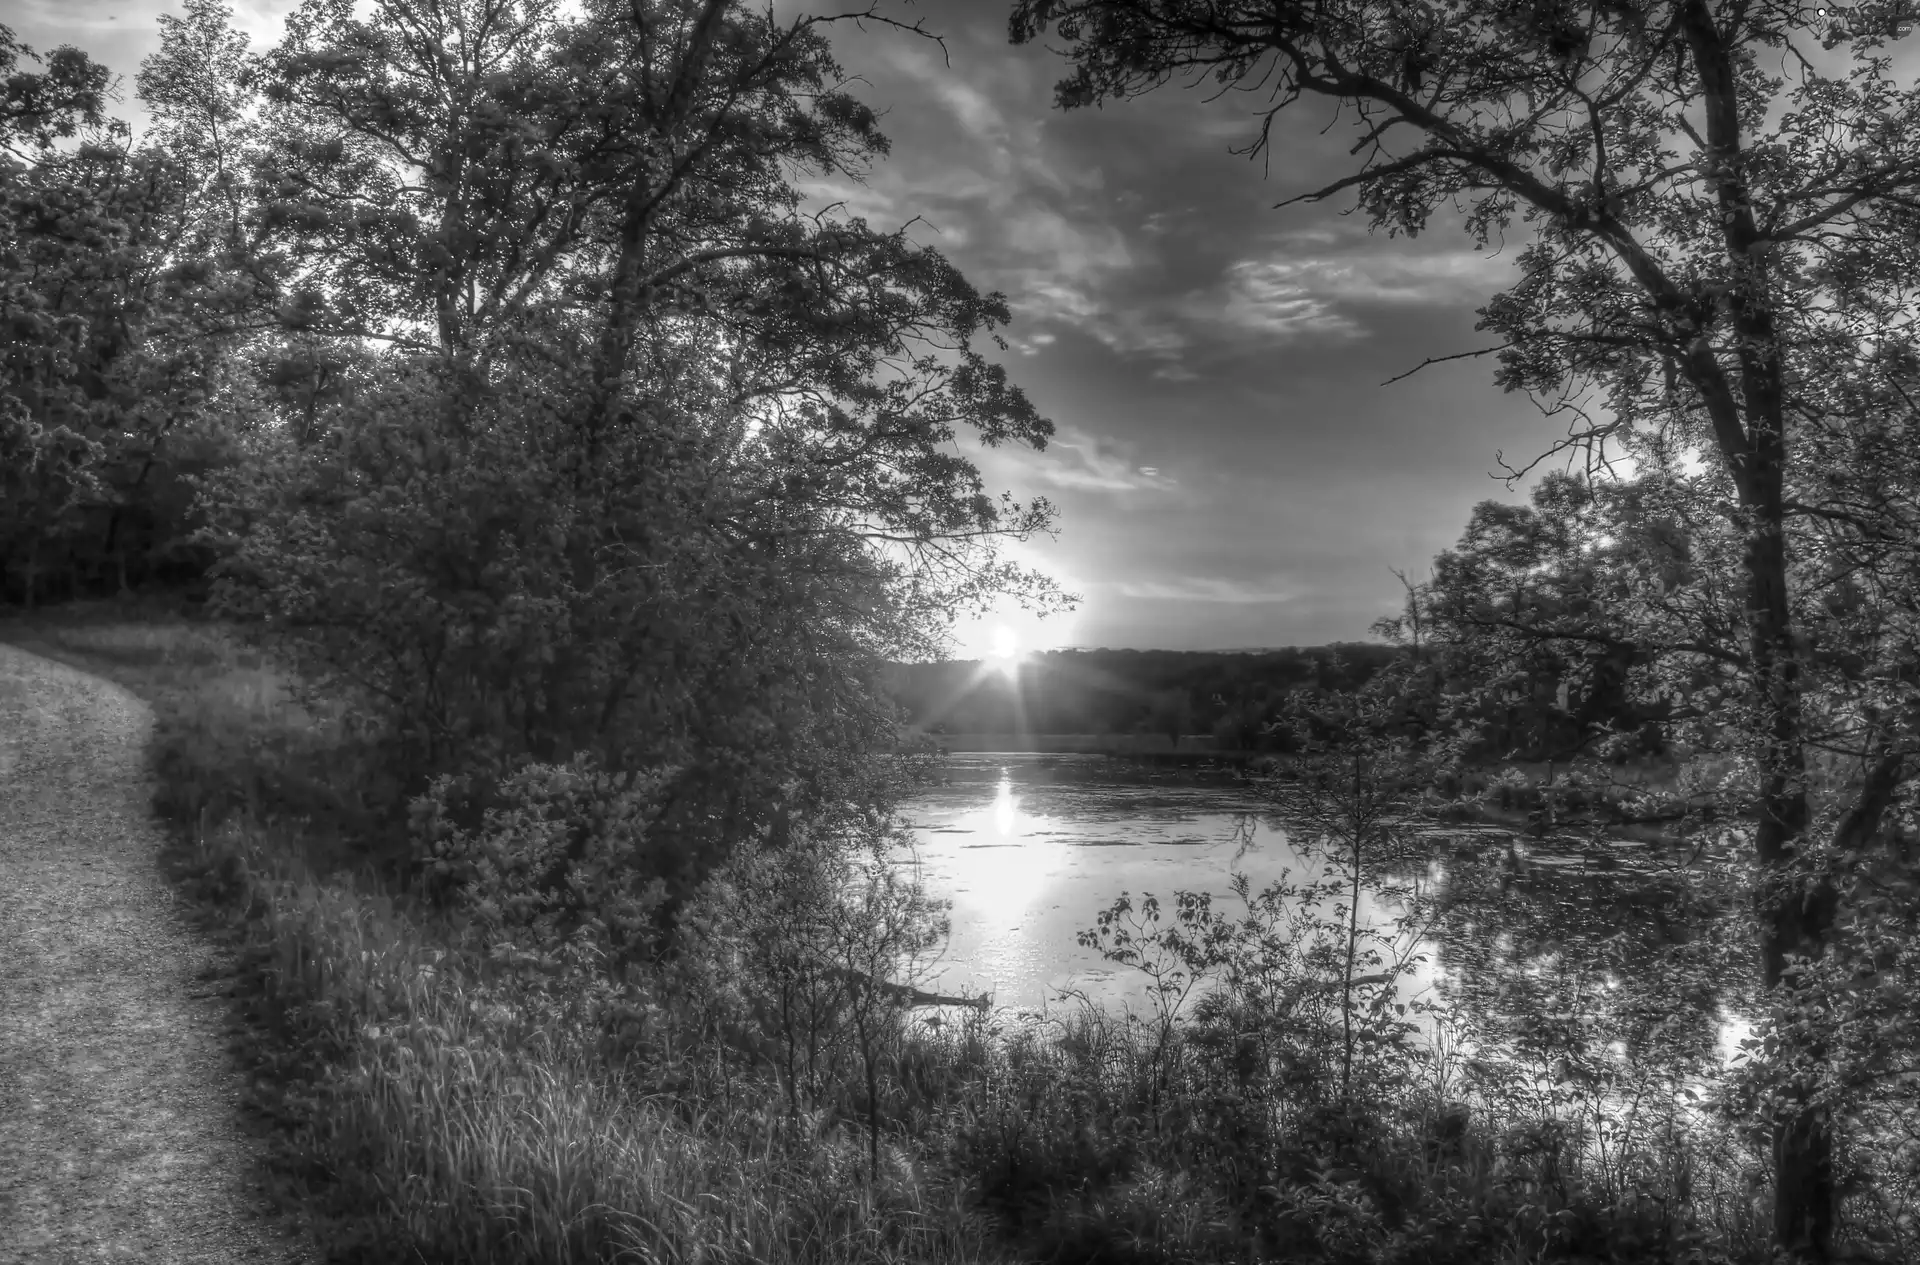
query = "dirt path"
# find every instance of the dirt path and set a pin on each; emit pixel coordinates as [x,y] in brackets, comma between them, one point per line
[120,1137]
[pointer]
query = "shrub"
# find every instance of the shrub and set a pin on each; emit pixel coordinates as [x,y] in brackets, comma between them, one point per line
[553,879]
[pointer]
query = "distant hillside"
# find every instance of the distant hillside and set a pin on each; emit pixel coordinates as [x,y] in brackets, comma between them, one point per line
[1223,693]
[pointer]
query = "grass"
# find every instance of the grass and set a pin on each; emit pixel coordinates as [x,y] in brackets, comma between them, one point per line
[422,1113]
[430,1106]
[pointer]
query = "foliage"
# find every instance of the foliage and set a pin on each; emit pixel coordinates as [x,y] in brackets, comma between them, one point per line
[432,575]
[122,310]
[55,104]
[798,954]
[550,879]
[1720,265]
[583,439]
[626,175]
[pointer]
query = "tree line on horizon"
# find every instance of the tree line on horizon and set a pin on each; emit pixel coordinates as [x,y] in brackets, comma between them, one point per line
[1234,697]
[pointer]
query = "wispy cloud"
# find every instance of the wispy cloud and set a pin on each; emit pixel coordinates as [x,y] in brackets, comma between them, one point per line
[1136,330]
[1033,217]
[1278,300]
[1082,462]
[1251,306]
[1445,277]
[1207,589]
[1271,299]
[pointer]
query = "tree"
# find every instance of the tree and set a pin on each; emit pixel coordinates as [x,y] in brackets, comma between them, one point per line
[1350,784]
[55,104]
[442,173]
[115,379]
[590,440]
[1602,620]
[127,286]
[1718,257]
[200,89]
[46,468]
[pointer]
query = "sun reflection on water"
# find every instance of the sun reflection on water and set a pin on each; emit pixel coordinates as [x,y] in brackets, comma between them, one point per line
[1007,864]
[1006,809]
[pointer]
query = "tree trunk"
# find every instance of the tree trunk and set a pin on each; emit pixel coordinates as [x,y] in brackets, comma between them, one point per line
[1353,945]
[1792,922]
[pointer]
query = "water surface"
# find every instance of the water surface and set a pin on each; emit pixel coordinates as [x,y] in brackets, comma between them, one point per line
[1029,849]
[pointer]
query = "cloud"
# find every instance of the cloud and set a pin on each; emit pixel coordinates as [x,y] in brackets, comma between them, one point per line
[1080,237]
[1061,268]
[1010,151]
[1082,462]
[1271,299]
[1262,302]
[969,106]
[980,162]
[1207,589]
[1446,277]
[1134,330]
[1252,306]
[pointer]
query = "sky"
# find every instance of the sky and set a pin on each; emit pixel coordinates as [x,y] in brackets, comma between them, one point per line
[1229,468]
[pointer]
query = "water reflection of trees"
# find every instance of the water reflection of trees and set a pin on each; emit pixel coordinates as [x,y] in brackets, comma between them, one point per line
[1593,959]
[1595,997]
[1590,987]
[1644,955]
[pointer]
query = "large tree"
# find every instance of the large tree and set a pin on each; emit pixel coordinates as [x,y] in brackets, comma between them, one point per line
[655,463]
[444,174]
[1722,258]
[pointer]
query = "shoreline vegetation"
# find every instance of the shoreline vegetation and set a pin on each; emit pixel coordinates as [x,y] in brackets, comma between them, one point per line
[744,1102]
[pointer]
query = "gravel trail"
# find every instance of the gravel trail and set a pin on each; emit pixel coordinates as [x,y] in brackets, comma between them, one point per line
[120,1134]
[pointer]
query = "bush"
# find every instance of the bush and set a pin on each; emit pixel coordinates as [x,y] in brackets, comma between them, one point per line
[553,879]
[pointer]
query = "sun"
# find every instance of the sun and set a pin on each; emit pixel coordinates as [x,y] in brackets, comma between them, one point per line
[1005,653]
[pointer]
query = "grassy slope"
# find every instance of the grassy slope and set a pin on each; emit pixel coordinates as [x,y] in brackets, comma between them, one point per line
[421,1117]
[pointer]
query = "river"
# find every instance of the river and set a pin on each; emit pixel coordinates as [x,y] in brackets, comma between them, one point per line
[1029,849]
